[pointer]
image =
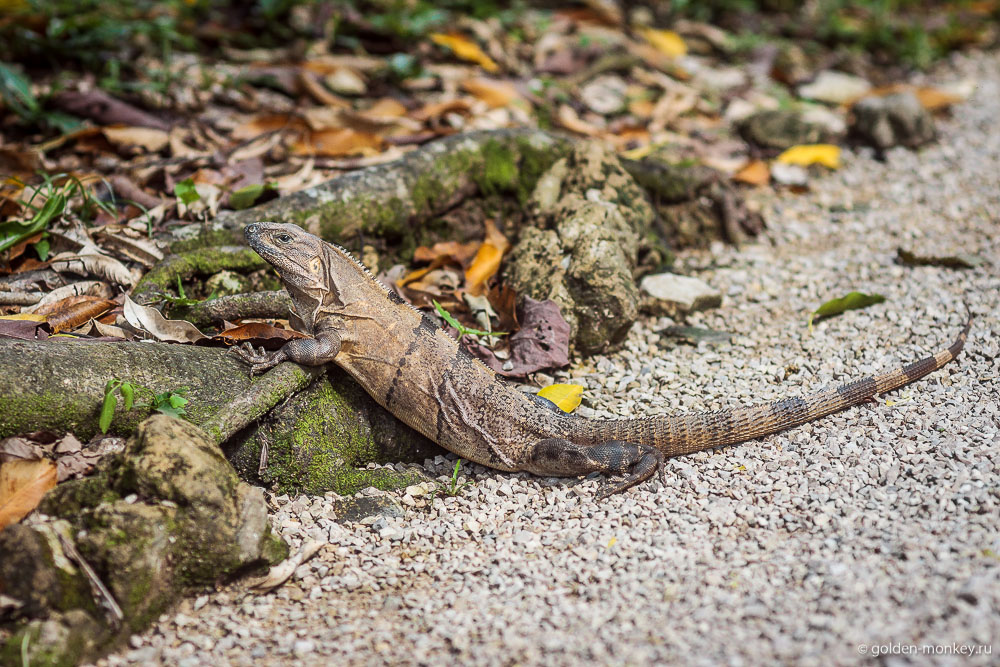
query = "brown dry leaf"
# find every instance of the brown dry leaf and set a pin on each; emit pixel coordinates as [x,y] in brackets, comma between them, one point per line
[22,485]
[465,49]
[494,93]
[386,108]
[267,123]
[569,119]
[312,85]
[151,139]
[487,260]
[436,110]
[128,243]
[460,253]
[258,334]
[88,287]
[932,99]
[90,262]
[666,42]
[336,143]
[73,315]
[152,322]
[755,172]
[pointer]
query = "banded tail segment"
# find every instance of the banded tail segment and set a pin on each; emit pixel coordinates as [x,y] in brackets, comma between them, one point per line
[684,434]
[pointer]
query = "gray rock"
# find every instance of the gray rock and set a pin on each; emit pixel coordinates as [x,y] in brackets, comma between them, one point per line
[192,524]
[781,129]
[835,87]
[357,508]
[674,295]
[894,120]
[581,252]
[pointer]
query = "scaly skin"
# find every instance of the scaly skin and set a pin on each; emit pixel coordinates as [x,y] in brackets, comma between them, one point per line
[415,370]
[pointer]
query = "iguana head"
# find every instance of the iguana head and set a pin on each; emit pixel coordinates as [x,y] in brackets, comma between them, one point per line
[295,254]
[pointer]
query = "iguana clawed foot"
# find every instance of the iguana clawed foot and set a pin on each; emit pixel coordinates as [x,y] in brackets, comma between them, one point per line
[556,456]
[258,360]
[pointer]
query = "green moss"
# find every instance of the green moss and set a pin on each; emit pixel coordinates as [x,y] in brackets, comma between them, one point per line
[500,169]
[72,496]
[28,412]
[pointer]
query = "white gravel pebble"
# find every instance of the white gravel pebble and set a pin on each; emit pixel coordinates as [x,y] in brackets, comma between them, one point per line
[871,531]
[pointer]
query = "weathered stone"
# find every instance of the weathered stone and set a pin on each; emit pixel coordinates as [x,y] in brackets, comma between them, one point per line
[780,129]
[894,120]
[166,516]
[674,295]
[589,217]
[835,87]
[357,508]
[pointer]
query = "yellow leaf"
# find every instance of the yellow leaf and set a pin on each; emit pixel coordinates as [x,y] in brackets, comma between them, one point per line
[22,485]
[565,396]
[666,41]
[804,155]
[31,317]
[487,259]
[612,541]
[465,49]
[754,172]
[494,93]
[638,153]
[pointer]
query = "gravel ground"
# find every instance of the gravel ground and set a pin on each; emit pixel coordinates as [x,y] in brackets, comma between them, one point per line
[869,531]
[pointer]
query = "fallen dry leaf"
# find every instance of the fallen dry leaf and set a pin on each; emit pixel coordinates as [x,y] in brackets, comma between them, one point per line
[666,42]
[487,259]
[84,287]
[334,143]
[565,396]
[148,138]
[805,155]
[494,93]
[71,315]
[569,119]
[22,485]
[280,573]
[258,334]
[755,172]
[150,320]
[465,49]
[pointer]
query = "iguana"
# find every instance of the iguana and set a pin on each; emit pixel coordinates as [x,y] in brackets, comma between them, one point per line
[414,369]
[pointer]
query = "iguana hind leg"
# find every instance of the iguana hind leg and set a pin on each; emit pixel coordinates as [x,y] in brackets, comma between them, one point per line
[562,458]
[306,351]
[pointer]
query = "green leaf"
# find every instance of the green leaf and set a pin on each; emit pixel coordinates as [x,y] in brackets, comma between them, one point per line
[248,196]
[850,301]
[41,249]
[15,89]
[180,288]
[186,192]
[13,232]
[447,316]
[128,393]
[107,409]
[462,329]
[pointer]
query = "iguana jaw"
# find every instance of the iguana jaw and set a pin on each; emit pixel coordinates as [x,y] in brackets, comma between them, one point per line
[290,250]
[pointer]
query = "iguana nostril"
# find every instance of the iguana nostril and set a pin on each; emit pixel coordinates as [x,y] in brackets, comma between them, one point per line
[252,228]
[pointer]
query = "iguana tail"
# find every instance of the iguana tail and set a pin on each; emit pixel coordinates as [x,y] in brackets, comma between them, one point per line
[686,433]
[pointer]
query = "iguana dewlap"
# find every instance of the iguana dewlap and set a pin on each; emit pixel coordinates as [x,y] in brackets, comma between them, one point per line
[418,372]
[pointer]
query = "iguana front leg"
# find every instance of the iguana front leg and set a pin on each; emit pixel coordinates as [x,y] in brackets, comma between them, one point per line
[306,351]
[559,457]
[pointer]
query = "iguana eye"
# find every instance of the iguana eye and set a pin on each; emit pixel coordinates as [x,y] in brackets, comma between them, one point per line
[283,238]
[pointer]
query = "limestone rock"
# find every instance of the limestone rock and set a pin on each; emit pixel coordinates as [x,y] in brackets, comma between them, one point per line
[589,217]
[166,516]
[780,129]
[674,295]
[894,120]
